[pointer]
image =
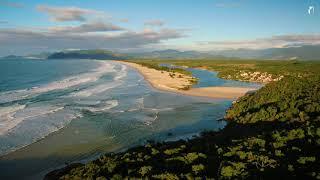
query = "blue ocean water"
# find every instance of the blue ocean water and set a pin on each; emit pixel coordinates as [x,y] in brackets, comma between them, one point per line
[54,112]
[22,73]
[35,97]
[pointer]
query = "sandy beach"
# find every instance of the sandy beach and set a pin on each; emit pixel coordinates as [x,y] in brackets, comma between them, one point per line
[163,81]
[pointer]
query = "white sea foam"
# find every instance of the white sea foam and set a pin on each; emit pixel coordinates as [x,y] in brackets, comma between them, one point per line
[92,76]
[88,102]
[158,109]
[36,126]
[95,90]
[150,120]
[21,125]
[4,111]
[109,105]
[140,101]
[105,106]
[122,73]
[102,87]
[140,106]
[7,117]
[11,116]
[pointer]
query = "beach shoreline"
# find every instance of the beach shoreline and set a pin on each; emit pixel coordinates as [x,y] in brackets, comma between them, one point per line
[163,80]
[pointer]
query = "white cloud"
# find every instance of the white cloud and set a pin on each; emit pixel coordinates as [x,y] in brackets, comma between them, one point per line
[92,33]
[154,22]
[262,43]
[31,41]
[86,27]
[61,14]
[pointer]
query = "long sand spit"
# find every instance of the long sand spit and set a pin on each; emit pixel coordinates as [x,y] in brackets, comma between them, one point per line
[163,81]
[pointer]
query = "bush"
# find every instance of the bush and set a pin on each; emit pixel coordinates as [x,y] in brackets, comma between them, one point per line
[198,168]
[233,170]
[145,170]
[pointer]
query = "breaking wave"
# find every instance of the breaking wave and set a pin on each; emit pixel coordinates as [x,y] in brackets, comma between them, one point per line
[94,75]
[11,116]
[104,106]
[26,117]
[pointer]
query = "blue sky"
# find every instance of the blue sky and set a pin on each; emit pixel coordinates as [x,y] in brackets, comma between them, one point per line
[185,24]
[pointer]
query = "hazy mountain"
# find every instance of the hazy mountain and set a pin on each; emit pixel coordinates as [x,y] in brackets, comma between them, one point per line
[87,54]
[303,53]
[307,52]
[174,54]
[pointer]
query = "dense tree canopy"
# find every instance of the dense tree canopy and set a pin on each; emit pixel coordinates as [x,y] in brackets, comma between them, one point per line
[291,99]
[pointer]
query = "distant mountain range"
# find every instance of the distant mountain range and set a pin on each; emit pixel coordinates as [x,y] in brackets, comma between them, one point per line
[87,54]
[307,52]
[174,54]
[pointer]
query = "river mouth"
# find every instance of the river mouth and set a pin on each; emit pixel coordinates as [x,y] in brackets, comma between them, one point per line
[131,114]
[207,78]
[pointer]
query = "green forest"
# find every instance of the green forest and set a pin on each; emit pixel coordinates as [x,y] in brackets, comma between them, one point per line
[273,133]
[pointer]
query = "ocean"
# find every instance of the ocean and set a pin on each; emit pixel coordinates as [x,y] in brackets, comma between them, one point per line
[54,112]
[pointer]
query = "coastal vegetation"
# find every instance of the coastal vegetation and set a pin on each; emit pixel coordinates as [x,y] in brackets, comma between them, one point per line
[273,133]
[291,99]
[246,70]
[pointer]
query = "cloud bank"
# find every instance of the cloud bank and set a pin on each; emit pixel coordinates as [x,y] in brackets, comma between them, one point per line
[92,32]
[263,43]
[86,28]
[30,41]
[62,14]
